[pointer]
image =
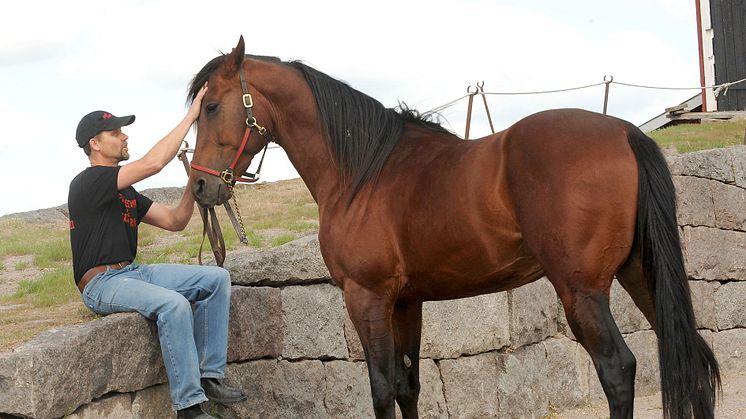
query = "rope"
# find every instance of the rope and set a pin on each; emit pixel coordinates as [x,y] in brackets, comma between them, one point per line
[642,86]
[541,92]
[718,88]
[447,105]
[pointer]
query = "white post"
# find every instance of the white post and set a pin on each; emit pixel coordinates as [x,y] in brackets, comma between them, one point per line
[707,54]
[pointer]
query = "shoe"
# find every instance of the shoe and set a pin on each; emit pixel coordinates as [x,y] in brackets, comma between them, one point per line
[192,412]
[221,393]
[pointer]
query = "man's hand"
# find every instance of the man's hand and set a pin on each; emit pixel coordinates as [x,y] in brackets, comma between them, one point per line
[196,106]
[164,151]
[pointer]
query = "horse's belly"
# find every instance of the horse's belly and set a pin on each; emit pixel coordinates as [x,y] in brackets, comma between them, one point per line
[432,267]
[475,247]
[468,277]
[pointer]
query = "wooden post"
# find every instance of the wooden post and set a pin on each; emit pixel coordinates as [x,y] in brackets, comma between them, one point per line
[606,92]
[468,110]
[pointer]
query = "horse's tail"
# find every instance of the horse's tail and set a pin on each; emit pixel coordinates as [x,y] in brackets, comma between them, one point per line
[689,372]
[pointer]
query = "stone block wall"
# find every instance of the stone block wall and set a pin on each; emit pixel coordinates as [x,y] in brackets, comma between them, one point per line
[295,352]
[711,191]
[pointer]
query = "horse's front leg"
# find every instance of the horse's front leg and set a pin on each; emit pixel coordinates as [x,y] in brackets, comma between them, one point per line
[371,313]
[408,329]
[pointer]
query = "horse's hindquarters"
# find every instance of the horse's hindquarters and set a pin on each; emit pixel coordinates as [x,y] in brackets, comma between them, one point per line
[573,179]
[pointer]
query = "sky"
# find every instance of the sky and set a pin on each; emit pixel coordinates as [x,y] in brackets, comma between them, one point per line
[60,60]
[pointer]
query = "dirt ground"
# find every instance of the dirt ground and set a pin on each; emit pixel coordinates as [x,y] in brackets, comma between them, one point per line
[16,269]
[731,405]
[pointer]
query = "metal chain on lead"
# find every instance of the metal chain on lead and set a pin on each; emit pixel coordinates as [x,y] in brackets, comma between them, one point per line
[243,237]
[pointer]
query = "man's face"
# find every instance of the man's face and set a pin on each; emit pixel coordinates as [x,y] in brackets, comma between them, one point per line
[113,144]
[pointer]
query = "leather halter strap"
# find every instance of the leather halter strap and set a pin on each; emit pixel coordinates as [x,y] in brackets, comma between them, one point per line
[211,226]
[227,174]
[211,229]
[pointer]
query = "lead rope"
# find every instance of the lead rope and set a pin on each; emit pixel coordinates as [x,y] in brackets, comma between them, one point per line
[211,229]
[211,226]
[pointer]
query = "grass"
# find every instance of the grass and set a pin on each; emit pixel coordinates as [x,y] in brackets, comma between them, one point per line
[53,288]
[19,266]
[707,135]
[23,323]
[18,237]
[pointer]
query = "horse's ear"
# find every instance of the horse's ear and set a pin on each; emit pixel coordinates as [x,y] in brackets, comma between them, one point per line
[235,59]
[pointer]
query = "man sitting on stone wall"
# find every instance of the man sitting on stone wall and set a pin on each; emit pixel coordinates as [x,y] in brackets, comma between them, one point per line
[105,211]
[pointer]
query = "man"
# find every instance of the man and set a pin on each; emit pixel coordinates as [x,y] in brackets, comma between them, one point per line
[105,211]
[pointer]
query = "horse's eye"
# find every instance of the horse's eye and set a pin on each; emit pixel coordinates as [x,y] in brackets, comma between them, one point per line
[211,107]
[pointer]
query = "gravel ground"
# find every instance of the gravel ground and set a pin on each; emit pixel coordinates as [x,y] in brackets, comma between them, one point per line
[731,405]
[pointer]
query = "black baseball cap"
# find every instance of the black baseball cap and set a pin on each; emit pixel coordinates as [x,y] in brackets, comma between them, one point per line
[98,121]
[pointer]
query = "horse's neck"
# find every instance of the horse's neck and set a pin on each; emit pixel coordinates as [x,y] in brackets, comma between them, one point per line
[309,154]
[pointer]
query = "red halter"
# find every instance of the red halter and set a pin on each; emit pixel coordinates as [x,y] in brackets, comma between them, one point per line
[227,174]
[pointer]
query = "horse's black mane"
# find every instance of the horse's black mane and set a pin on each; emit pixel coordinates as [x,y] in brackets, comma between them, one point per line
[360,131]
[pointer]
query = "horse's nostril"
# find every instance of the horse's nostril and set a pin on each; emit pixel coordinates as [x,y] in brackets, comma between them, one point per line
[199,187]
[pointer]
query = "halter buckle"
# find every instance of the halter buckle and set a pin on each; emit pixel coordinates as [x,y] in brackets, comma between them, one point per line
[227,175]
[252,124]
[248,102]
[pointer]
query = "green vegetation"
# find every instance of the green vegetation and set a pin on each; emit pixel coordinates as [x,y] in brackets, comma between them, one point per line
[18,238]
[282,239]
[53,288]
[695,137]
[49,248]
[21,265]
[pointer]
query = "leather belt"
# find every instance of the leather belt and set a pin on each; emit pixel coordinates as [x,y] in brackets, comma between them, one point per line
[97,270]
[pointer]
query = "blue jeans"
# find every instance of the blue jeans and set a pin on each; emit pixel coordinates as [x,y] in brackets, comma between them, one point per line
[193,343]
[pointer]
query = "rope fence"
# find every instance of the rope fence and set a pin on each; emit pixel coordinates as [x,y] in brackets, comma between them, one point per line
[472,91]
[718,89]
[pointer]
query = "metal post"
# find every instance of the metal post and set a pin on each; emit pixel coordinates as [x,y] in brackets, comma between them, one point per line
[606,93]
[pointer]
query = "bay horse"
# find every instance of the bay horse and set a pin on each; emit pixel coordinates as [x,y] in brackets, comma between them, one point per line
[409,212]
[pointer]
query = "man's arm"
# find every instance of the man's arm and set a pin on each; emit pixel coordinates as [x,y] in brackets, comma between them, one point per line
[163,152]
[172,219]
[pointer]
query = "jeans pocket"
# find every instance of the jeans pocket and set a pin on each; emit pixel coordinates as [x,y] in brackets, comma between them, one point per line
[91,293]
[89,302]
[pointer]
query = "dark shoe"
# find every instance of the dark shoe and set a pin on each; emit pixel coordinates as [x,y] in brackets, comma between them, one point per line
[192,412]
[221,393]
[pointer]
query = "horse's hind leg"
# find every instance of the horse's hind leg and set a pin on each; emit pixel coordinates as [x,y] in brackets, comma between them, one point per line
[581,266]
[408,328]
[590,319]
[633,280]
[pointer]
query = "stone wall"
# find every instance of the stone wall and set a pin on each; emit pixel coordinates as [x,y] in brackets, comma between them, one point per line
[295,352]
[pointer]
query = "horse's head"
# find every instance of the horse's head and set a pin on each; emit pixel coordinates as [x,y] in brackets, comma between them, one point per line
[231,127]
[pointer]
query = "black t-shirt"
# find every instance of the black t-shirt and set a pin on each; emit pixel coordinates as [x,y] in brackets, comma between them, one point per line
[103,220]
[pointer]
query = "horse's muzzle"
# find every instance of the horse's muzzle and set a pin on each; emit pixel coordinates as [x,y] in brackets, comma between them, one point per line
[210,192]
